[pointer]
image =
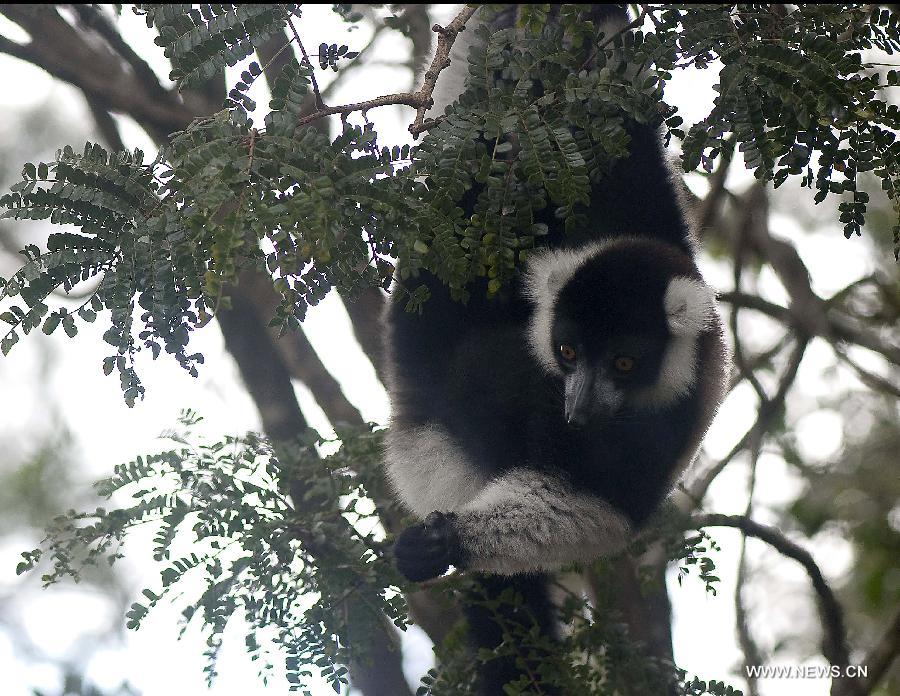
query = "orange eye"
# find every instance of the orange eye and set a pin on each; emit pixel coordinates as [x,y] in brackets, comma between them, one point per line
[568,352]
[624,363]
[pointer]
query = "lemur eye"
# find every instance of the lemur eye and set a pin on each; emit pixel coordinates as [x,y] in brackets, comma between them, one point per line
[568,352]
[624,363]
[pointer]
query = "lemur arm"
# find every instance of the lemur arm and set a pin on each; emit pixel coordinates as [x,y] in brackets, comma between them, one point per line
[523,521]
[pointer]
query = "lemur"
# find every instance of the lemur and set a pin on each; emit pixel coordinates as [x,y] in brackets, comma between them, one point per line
[544,426]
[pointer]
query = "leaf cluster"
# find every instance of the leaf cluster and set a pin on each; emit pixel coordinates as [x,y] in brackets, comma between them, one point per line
[305,572]
[595,654]
[795,94]
[543,117]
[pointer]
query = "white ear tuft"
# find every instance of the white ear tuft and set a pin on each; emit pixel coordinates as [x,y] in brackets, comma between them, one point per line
[690,306]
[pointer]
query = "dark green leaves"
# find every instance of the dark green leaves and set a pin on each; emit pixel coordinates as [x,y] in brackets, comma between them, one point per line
[306,580]
[542,119]
[795,99]
[200,43]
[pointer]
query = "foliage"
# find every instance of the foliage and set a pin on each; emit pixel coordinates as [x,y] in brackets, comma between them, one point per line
[542,119]
[543,116]
[595,655]
[690,553]
[304,565]
[300,563]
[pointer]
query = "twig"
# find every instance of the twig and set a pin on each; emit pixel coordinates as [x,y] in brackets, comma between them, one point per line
[748,645]
[841,327]
[634,24]
[870,379]
[403,98]
[312,71]
[420,100]
[446,37]
[776,311]
[834,643]
[767,411]
[356,62]
[755,213]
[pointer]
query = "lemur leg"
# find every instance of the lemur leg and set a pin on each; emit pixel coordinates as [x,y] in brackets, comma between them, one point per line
[493,617]
[523,521]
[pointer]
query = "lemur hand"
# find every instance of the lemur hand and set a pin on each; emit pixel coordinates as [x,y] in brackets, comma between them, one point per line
[427,550]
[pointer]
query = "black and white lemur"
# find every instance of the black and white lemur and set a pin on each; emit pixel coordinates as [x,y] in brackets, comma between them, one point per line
[544,426]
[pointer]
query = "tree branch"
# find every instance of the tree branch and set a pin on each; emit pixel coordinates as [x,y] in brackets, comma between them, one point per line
[312,71]
[840,327]
[767,410]
[834,642]
[106,124]
[93,18]
[93,68]
[420,100]
[365,313]
[873,381]
[274,55]
[446,37]
[298,355]
[748,645]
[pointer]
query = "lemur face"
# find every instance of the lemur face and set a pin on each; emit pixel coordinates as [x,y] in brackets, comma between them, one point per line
[620,323]
[601,371]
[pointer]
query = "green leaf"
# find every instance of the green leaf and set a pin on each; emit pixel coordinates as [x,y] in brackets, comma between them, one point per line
[50,323]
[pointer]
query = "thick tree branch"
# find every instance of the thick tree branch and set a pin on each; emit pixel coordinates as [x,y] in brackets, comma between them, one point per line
[106,124]
[298,355]
[366,317]
[98,72]
[93,18]
[93,68]
[264,373]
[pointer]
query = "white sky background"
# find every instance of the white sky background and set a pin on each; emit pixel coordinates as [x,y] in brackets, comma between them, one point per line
[108,433]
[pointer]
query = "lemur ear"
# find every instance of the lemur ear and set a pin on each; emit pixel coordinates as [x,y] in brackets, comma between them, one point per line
[690,306]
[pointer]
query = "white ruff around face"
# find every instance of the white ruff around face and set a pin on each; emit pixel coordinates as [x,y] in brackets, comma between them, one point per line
[546,275]
[690,307]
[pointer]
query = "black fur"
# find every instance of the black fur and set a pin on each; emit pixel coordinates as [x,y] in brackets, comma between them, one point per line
[515,612]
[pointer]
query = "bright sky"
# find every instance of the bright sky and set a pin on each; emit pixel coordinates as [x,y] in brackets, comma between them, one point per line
[108,433]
